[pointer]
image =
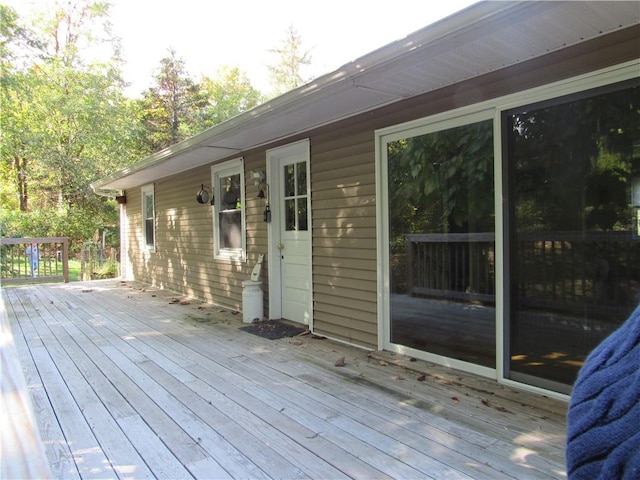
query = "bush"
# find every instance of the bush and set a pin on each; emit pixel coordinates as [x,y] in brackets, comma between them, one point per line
[109,269]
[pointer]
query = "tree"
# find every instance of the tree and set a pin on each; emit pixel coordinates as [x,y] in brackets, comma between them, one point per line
[64,123]
[572,163]
[75,28]
[16,41]
[170,108]
[287,73]
[229,94]
[442,182]
[177,107]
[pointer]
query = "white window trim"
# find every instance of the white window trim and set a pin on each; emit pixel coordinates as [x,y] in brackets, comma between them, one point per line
[146,191]
[231,167]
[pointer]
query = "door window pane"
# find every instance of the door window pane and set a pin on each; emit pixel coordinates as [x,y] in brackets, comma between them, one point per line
[290,180]
[301,178]
[574,250]
[290,214]
[295,193]
[441,231]
[302,214]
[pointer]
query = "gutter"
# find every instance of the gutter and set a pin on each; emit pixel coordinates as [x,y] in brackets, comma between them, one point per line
[109,193]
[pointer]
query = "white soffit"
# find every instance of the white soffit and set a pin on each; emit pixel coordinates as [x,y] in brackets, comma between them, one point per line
[483,38]
[526,31]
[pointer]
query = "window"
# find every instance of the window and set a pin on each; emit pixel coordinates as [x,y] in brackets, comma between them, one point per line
[229,221]
[148,217]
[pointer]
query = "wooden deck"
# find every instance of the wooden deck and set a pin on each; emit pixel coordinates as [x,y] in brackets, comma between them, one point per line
[125,383]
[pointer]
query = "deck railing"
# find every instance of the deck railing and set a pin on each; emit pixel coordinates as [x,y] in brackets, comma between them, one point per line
[27,260]
[574,270]
[565,270]
[454,266]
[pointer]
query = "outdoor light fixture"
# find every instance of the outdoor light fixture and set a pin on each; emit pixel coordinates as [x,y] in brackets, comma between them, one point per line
[262,188]
[202,197]
[258,176]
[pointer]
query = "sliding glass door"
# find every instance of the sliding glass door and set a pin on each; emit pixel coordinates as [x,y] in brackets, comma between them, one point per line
[441,242]
[573,265]
[567,272]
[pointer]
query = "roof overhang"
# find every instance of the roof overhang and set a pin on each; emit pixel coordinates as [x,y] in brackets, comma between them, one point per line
[478,40]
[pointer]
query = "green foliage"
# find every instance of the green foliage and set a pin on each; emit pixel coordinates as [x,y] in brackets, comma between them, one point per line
[74,223]
[169,108]
[64,124]
[109,269]
[228,94]
[442,182]
[574,161]
[15,40]
[177,107]
[287,73]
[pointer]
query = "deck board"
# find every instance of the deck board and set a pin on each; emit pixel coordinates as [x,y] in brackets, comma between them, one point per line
[127,384]
[99,404]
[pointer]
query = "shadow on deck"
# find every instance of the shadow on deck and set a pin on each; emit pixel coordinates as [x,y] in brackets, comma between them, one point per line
[127,383]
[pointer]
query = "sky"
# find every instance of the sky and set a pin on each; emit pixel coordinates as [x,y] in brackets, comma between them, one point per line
[209,34]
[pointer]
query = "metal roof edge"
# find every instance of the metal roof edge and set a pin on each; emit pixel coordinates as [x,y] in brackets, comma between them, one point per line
[482,15]
[461,19]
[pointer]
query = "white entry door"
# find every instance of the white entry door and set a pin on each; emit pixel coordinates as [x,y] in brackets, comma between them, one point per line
[292,230]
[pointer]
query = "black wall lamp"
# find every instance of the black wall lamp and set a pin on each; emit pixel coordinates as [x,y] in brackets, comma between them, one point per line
[202,197]
[262,188]
[259,178]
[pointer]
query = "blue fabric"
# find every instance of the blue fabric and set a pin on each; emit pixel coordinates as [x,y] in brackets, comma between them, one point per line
[603,422]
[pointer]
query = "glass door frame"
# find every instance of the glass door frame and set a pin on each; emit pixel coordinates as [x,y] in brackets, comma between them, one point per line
[399,132]
[492,108]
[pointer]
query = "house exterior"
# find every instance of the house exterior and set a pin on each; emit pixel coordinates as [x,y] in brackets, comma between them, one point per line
[467,195]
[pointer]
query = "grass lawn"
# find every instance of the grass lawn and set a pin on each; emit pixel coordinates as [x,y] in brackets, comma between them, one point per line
[74,270]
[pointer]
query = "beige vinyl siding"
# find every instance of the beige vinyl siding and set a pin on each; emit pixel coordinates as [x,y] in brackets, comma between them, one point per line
[257,239]
[183,261]
[184,242]
[135,238]
[342,199]
[344,236]
[343,181]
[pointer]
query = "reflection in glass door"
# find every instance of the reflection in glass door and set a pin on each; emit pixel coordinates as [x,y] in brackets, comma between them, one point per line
[574,253]
[441,242]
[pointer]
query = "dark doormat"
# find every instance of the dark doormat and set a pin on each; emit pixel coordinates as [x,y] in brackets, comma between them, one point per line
[273,329]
